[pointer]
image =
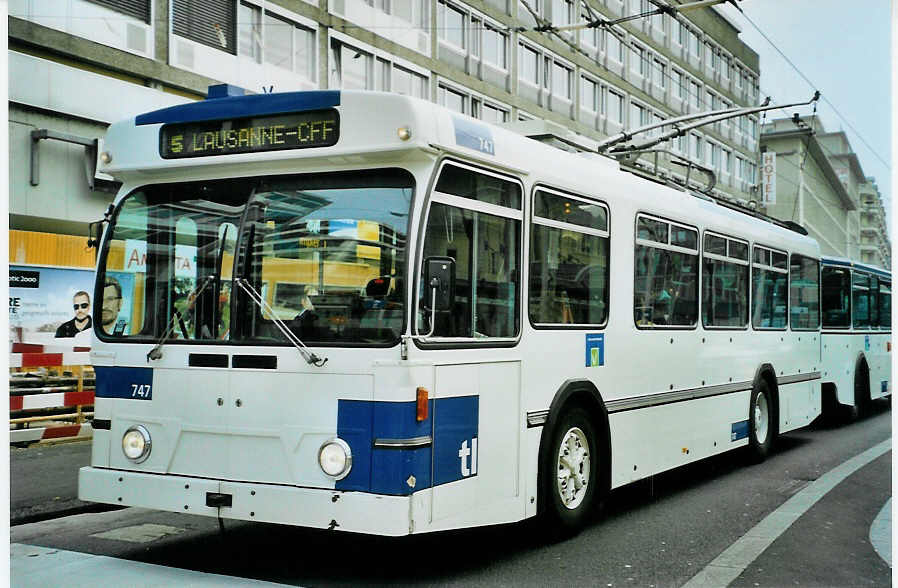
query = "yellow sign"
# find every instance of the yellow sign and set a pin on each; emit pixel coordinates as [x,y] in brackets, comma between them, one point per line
[250,135]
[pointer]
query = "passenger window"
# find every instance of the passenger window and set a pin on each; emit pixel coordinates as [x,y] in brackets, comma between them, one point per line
[665,290]
[836,289]
[568,261]
[860,295]
[485,248]
[769,291]
[724,282]
[481,187]
[885,305]
[804,293]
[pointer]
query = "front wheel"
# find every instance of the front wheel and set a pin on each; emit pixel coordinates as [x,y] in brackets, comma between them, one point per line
[761,425]
[571,480]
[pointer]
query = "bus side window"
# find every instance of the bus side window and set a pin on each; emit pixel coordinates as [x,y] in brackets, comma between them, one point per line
[665,290]
[836,290]
[486,248]
[770,279]
[860,298]
[885,305]
[804,293]
[568,261]
[724,282]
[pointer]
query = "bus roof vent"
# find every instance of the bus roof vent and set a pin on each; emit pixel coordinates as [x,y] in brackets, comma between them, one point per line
[224,91]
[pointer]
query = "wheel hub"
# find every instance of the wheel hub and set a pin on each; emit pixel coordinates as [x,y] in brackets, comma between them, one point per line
[573,468]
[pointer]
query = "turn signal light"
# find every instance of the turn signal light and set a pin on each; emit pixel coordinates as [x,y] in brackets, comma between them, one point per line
[421,412]
[888,346]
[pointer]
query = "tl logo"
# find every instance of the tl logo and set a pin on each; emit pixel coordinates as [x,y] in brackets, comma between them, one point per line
[464,453]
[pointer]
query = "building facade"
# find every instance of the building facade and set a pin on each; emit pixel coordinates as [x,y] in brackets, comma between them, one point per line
[875,244]
[815,179]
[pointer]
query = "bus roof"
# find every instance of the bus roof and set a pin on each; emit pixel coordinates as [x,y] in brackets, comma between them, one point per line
[845,262]
[377,127]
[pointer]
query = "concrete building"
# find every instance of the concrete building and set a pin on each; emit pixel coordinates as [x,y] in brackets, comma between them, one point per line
[77,65]
[808,188]
[819,183]
[875,245]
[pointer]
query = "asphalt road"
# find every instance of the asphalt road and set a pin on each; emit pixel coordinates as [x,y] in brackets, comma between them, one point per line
[658,532]
[43,480]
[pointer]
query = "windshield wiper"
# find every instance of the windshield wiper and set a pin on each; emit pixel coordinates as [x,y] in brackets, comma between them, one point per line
[254,295]
[178,320]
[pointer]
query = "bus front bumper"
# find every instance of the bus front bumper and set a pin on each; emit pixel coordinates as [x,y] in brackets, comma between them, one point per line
[269,503]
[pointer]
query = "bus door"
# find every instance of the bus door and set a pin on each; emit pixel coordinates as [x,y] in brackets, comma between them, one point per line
[472,239]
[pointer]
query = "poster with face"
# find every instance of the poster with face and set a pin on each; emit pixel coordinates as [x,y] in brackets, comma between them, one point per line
[117,297]
[47,304]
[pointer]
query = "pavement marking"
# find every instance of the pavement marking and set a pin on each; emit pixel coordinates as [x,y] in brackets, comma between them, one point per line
[881,533]
[734,559]
[139,533]
[37,567]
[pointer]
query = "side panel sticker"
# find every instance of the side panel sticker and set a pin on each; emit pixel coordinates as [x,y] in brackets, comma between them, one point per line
[132,383]
[739,431]
[595,350]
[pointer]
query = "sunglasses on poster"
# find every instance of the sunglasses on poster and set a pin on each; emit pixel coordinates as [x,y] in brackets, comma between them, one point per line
[82,305]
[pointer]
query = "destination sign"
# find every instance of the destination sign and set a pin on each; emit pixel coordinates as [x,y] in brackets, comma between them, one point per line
[250,135]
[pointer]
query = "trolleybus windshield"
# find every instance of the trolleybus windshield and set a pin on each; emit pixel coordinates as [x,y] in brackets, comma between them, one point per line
[325,251]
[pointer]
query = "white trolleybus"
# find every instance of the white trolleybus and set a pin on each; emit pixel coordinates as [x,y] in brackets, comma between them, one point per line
[364,312]
[857,336]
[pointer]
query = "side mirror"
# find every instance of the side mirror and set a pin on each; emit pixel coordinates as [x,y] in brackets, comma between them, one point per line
[439,283]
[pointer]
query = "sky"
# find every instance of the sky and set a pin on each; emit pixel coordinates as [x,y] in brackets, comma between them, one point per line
[844,49]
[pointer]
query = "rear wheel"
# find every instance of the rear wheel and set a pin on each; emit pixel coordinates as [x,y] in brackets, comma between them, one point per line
[861,391]
[571,473]
[761,425]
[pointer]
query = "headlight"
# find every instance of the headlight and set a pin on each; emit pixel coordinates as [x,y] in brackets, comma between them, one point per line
[335,458]
[136,443]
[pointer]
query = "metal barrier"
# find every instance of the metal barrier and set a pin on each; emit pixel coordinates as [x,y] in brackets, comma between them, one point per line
[51,392]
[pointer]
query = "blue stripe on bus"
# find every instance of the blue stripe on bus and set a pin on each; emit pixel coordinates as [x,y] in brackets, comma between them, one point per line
[242,106]
[133,383]
[739,431]
[388,470]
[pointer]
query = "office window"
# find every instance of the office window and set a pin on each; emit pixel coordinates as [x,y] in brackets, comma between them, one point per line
[409,83]
[659,73]
[614,47]
[495,47]
[562,81]
[695,94]
[249,31]
[639,60]
[210,22]
[453,30]
[493,114]
[639,115]
[139,9]
[679,84]
[589,94]
[529,65]
[614,106]
[694,44]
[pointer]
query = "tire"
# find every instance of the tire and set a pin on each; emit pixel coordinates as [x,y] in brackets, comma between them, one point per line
[571,474]
[761,422]
[861,391]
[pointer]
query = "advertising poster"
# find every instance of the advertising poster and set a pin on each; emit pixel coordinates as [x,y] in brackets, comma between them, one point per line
[121,322]
[41,305]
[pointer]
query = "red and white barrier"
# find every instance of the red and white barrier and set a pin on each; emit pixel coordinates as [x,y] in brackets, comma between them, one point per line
[53,400]
[26,355]
[84,430]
